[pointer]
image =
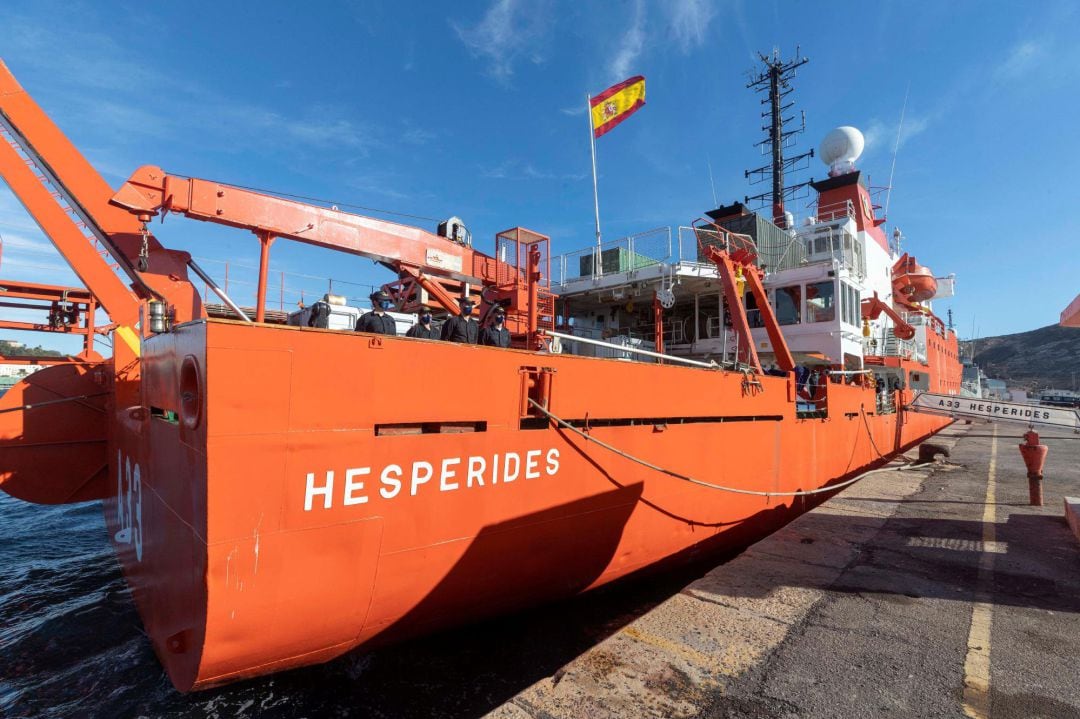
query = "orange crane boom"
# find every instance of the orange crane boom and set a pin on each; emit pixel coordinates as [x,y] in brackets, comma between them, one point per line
[151,190]
[69,199]
[872,307]
[427,258]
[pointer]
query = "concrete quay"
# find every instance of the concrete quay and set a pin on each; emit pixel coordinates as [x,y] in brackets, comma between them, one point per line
[935,592]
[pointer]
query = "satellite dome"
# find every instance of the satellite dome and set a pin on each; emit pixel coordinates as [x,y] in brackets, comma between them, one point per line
[840,148]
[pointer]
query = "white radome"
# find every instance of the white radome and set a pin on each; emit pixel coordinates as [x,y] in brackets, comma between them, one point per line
[841,147]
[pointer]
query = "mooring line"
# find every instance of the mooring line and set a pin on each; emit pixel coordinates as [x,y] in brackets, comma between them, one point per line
[977,662]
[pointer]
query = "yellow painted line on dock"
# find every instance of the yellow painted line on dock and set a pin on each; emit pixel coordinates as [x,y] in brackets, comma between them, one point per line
[959,545]
[977,663]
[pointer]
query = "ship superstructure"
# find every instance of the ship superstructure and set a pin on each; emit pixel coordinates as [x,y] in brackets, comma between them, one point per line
[846,299]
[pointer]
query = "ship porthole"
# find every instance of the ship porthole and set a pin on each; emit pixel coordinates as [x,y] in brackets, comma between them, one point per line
[190,393]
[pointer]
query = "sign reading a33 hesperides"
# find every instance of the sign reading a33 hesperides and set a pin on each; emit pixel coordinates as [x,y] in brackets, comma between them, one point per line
[995,410]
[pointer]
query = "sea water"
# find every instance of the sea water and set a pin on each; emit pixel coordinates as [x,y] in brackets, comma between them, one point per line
[72,644]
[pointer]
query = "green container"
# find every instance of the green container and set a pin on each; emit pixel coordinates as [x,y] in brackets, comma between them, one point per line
[613,261]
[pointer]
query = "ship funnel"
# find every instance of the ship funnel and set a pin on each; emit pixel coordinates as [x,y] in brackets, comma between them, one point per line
[840,148]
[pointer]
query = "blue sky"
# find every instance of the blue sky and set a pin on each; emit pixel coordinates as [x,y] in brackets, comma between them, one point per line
[476,109]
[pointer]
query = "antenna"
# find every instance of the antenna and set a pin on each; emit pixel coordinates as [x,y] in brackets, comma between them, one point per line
[972,347]
[896,149]
[774,80]
[712,185]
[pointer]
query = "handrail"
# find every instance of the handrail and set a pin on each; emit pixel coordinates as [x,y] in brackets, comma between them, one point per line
[218,291]
[621,348]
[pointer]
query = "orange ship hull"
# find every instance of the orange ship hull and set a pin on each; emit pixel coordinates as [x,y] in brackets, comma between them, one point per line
[271,512]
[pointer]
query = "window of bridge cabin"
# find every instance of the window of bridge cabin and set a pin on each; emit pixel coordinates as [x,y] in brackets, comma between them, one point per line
[821,301]
[788,303]
[849,304]
[753,314]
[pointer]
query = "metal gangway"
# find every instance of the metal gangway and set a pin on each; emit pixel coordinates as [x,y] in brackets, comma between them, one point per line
[1032,415]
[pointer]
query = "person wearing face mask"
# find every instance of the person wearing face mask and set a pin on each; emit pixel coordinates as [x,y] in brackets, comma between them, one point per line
[423,328]
[463,328]
[496,334]
[377,320]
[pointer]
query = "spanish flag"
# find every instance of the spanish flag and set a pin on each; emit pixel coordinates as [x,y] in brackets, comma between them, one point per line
[617,103]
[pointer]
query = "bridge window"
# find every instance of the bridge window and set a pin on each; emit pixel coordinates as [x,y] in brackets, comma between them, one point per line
[820,301]
[789,305]
[753,314]
[849,304]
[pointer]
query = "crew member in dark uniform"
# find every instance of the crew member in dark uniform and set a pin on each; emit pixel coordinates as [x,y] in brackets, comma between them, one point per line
[463,328]
[423,328]
[496,334]
[377,320]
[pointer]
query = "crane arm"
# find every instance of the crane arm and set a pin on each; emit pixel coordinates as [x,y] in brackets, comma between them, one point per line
[151,190]
[54,181]
[872,308]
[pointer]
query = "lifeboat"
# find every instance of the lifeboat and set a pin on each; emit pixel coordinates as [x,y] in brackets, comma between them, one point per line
[913,282]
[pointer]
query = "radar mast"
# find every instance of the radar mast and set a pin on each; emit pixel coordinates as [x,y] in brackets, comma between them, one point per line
[774,80]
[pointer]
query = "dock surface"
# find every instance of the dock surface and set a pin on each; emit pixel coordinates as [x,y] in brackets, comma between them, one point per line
[935,592]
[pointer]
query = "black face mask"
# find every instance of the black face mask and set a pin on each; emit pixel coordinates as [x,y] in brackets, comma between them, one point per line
[466,309]
[424,319]
[499,319]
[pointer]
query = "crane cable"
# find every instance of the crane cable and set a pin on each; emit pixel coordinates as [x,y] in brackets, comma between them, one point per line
[735,490]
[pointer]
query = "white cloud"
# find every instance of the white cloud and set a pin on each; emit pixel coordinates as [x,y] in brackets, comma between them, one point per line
[1024,57]
[881,135]
[104,86]
[510,30]
[630,46]
[690,21]
[20,244]
[412,135]
[517,170]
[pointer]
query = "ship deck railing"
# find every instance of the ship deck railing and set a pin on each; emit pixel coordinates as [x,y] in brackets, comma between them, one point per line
[920,319]
[835,211]
[829,241]
[670,249]
[625,255]
[893,346]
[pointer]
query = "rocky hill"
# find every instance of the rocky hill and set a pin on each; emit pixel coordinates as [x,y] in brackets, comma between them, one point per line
[1043,358]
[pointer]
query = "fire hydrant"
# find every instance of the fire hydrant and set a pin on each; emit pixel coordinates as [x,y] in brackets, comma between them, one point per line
[1034,455]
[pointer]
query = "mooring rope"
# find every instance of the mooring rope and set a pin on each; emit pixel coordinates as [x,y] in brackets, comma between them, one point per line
[870,434]
[736,490]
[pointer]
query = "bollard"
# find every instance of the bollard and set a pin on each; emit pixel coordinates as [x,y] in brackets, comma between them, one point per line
[1034,455]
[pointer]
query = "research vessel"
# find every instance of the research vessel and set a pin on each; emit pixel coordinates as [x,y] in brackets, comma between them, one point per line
[667,396]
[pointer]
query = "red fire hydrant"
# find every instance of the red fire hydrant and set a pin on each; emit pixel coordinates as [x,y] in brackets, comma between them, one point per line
[1034,455]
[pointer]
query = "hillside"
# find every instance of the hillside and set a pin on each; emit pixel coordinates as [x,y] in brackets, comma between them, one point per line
[14,349]
[1042,358]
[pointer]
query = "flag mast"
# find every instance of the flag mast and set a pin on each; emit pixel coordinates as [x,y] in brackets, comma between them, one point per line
[597,264]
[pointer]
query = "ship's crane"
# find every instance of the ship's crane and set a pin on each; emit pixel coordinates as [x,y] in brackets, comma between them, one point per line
[734,256]
[872,307]
[439,265]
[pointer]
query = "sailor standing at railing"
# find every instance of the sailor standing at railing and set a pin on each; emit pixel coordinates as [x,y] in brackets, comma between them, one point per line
[423,328]
[463,328]
[377,320]
[496,334]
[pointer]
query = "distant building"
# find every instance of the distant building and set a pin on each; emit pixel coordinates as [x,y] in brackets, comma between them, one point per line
[18,370]
[996,389]
[1018,394]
